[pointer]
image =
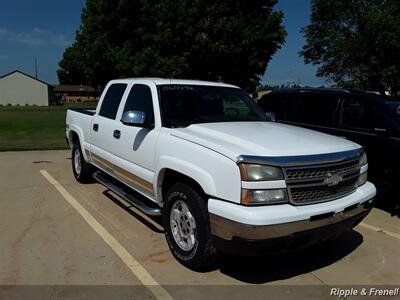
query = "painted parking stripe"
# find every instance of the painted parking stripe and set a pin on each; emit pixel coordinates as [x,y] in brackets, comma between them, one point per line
[377,229]
[137,269]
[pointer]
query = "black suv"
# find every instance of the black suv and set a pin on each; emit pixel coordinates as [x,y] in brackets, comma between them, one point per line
[368,119]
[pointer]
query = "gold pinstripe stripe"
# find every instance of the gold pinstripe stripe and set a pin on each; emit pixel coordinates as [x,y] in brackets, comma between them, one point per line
[135,180]
[127,176]
[102,163]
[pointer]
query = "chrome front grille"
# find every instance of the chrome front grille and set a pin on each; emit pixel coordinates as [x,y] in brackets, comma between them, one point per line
[313,172]
[320,183]
[307,195]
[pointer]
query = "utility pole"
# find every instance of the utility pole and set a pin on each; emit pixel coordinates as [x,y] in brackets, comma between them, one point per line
[35,67]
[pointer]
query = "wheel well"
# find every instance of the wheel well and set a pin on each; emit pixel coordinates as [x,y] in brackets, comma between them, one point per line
[171,177]
[74,138]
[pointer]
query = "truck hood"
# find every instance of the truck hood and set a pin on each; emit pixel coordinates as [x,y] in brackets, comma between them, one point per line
[262,139]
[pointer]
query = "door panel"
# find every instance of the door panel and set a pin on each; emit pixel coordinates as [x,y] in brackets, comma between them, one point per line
[135,148]
[102,139]
[358,120]
[103,122]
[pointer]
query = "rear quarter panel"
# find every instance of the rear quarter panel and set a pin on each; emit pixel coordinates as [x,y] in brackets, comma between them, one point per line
[79,123]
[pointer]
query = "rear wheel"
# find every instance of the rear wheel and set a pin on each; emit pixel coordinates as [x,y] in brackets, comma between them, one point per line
[83,171]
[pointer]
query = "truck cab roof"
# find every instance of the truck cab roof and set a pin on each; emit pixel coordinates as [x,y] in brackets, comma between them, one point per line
[161,81]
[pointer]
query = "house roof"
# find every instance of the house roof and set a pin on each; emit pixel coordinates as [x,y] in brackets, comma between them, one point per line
[27,75]
[63,88]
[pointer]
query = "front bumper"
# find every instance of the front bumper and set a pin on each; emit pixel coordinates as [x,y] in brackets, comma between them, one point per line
[228,229]
[285,227]
[294,241]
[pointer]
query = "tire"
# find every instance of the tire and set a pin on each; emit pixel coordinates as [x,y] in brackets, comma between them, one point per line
[84,173]
[195,250]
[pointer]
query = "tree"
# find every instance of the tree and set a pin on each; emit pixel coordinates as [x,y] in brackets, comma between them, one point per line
[266,87]
[355,43]
[224,40]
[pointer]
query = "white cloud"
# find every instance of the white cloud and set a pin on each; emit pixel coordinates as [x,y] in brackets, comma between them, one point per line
[37,36]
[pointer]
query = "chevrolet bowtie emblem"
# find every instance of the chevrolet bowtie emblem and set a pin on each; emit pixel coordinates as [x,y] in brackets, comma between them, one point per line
[333,179]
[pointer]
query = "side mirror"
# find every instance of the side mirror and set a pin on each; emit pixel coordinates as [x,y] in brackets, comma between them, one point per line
[271,116]
[134,118]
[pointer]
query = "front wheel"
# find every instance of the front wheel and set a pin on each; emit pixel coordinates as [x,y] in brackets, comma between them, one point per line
[187,227]
[83,171]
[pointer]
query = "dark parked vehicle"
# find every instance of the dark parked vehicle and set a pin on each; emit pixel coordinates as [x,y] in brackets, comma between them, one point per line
[366,118]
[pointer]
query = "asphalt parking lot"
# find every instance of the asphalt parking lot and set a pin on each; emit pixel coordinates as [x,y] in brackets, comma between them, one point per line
[56,233]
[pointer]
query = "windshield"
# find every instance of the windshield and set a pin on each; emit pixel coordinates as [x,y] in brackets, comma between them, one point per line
[183,105]
[394,106]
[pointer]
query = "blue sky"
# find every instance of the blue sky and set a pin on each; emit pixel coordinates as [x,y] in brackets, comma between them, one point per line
[44,28]
[286,66]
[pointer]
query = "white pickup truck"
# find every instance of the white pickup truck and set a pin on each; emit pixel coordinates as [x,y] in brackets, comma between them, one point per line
[205,157]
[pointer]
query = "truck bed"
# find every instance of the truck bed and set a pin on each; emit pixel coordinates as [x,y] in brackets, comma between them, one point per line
[80,121]
[89,112]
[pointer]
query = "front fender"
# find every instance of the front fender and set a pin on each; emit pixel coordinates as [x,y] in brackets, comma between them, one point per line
[217,175]
[195,172]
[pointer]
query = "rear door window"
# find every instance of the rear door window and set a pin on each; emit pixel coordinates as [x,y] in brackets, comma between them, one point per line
[394,106]
[283,105]
[357,114]
[317,109]
[112,99]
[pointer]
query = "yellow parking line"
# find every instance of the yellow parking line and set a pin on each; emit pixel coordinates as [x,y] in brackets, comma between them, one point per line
[137,269]
[377,229]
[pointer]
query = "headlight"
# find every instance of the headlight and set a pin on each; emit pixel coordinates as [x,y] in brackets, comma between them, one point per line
[363,160]
[363,164]
[258,197]
[251,172]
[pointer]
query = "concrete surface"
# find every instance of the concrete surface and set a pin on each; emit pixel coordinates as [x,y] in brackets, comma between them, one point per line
[45,243]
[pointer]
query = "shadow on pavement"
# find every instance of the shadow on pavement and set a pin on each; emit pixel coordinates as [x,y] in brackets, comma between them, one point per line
[388,201]
[128,209]
[286,265]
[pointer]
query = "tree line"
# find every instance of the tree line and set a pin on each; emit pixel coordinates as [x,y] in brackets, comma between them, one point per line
[224,40]
[354,43]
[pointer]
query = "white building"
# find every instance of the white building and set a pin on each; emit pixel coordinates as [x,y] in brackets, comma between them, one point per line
[18,88]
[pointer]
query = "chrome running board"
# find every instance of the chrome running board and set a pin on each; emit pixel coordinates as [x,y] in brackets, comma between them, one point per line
[126,193]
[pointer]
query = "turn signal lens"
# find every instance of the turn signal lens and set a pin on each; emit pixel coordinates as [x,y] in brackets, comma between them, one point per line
[362,179]
[258,197]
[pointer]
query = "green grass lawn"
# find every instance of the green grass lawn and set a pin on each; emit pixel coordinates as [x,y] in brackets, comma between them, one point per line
[34,128]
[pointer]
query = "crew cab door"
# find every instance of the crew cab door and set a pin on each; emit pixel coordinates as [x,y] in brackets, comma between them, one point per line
[135,146]
[316,111]
[312,110]
[362,122]
[103,147]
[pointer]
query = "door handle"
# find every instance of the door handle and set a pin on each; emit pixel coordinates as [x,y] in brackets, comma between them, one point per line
[95,127]
[117,134]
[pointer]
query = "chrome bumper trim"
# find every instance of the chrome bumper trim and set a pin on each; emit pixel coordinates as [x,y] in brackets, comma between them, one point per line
[227,229]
